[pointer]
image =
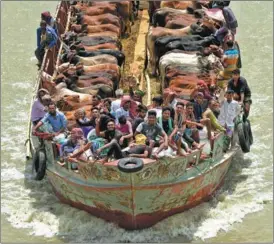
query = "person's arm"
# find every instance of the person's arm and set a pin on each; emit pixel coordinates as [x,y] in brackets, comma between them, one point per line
[38,37]
[99,150]
[97,129]
[39,124]
[165,137]
[84,123]
[139,129]
[144,155]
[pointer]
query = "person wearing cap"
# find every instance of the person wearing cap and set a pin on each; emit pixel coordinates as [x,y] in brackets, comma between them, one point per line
[46,39]
[241,89]
[229,109]
[203,88]
[46,16]
[38,109]
[116,104]
[137,95]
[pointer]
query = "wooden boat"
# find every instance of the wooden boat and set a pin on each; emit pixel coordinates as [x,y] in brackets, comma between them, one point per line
[134,197]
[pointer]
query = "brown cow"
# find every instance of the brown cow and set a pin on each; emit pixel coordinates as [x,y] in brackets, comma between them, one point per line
[101,67]
[113,35]
[100,19]
[90,82]
[112,46]
[98,10]
[176,4]
[101,28]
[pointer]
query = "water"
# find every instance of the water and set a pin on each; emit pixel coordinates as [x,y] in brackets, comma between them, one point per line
[31,213]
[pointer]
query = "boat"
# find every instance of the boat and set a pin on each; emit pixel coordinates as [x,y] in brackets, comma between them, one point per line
[134,194]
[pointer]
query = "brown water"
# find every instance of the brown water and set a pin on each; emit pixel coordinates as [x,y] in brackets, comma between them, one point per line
[31,213]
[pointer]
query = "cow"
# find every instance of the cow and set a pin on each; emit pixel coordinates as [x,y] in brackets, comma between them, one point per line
[153,34]
[153,6]
[98,20]
[100,59]
[177,4]
[88,29]
[111,46]
[98,10]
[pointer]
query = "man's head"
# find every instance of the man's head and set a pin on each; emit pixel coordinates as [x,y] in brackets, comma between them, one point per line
[119,93]
[42,92]
[138,94]
[46,100]
[157,101]
[151,117]
[180,108]
[95,112]
[229,95]
[166,113]
[122,120]
[189,107]
[236,74]
[96,99]
[110,125]
[142,111]
[212,104]
[201,85]
[126,105]
[43,25]
[52,108]
[107,103]
[200,98]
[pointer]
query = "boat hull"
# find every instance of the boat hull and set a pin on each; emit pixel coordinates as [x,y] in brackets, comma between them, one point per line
[136,206]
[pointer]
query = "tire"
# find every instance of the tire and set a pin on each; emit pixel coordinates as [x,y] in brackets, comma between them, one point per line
[248,126]
[39,165]
[243,134]
[239,62]
[130,165]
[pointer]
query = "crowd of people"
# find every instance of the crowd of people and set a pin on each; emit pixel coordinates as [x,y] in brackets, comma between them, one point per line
[114,131]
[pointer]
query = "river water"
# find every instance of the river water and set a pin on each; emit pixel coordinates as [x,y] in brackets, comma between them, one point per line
[242,212]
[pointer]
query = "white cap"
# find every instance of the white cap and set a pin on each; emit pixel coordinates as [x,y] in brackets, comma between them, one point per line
[119,92]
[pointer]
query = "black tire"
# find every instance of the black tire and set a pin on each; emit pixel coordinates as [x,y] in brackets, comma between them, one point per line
[243,134]
[39,165]
[130,165]
[249,132]
[239,62]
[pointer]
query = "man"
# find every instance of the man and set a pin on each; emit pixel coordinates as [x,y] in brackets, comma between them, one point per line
[46,16]
[229,61]
[228,111]
[46,39]
[96,101]
[138,149]
[157,103]
[198,113]
[123,110]
[152,130]
[115,105]
[112,137]
[91,122]
[142,111]
[55,118]
[209,114]
[241,90]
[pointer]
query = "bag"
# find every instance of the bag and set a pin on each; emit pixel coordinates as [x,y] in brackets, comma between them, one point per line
[230,18]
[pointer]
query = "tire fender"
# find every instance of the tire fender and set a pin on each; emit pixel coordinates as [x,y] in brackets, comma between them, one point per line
[130,165]
[243,134]
[39,165]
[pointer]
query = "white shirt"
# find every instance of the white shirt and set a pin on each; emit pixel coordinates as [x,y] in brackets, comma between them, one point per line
[228,112]
[115,105]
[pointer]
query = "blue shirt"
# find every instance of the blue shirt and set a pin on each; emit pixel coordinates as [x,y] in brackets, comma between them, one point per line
[57,122]
[51,32]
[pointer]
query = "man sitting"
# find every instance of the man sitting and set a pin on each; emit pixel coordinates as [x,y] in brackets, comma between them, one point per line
[116,104]
[113,137]
[152,130]
[141,114]
[57,120]
[123,110]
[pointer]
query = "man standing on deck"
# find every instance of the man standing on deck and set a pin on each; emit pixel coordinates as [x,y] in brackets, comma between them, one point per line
[46,39]
[241,89]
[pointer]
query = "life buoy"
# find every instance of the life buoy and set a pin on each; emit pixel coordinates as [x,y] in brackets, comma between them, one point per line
[130,165]
[39,165]
[243,133]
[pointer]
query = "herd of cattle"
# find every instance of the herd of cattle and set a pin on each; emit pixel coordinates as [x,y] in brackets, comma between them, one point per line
[92,57]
